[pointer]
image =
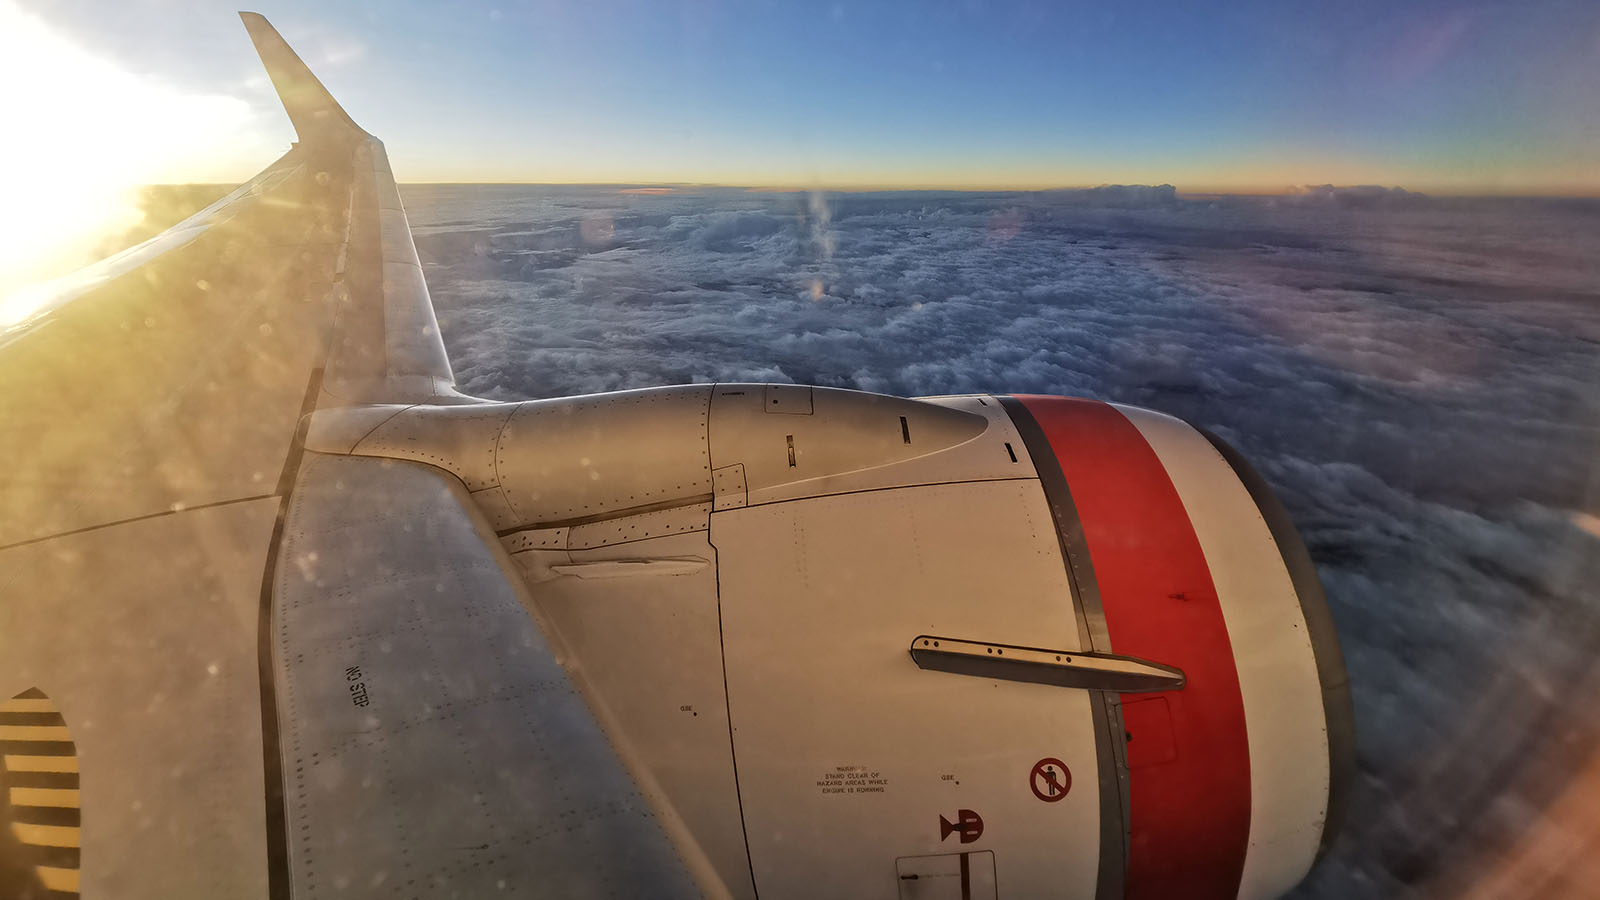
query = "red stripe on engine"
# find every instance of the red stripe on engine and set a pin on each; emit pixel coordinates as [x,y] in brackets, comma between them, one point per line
[1190,809]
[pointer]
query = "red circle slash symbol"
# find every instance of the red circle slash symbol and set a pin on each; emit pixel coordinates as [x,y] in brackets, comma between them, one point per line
[1050,779]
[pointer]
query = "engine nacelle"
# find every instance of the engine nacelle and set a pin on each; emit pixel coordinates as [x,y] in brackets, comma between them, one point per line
[855,645]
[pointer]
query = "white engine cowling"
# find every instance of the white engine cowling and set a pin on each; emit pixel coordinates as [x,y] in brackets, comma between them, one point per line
[856,645]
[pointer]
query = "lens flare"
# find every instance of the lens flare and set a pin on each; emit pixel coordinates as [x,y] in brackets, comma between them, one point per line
[83,136]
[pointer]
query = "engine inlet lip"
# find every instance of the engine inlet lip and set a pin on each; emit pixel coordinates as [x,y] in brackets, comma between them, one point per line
[1337,707]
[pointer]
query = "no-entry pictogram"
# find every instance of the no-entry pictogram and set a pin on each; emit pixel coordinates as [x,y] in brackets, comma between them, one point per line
[1050,779]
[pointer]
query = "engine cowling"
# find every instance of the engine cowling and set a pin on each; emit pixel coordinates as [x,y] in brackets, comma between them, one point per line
[856,645]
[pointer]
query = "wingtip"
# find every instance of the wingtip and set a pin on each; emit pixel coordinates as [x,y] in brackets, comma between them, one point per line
[310,106]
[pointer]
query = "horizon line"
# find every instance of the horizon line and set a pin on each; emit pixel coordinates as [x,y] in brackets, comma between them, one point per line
[666,187]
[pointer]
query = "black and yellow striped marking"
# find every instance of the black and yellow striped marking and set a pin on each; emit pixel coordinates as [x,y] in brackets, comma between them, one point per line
[39,777]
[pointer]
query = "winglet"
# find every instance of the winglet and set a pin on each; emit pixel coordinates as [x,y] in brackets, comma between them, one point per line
[314,112]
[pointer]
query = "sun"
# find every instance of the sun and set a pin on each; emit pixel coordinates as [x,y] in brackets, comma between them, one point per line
[83,136]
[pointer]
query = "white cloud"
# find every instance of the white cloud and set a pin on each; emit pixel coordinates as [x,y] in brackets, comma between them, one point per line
[1360,195]
[1417,380]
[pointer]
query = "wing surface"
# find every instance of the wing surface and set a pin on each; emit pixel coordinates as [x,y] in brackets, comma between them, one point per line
[280,673]
[173,375]
[429,735]
[389,349]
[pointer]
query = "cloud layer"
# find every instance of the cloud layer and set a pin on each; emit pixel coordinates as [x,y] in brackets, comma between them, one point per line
[1416,377]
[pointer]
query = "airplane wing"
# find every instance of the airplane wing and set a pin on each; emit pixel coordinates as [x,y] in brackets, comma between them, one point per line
[234,637]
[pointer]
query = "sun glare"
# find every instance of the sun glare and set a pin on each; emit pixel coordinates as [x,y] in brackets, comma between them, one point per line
[83,136]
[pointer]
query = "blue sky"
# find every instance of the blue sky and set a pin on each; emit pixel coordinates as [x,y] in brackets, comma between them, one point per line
[1450,97]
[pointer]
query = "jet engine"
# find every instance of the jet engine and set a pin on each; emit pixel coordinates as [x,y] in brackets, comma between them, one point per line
[852,645]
